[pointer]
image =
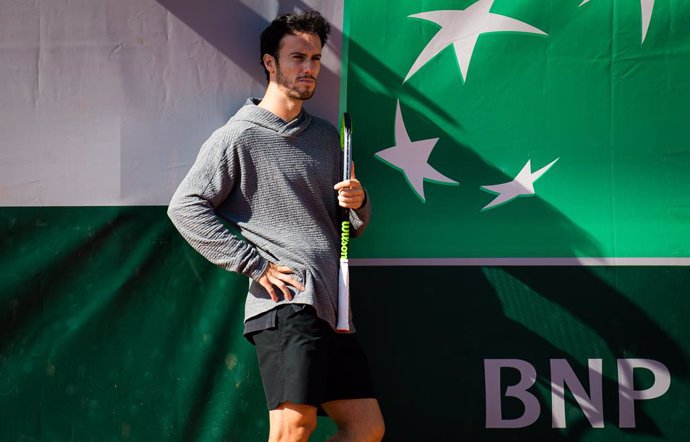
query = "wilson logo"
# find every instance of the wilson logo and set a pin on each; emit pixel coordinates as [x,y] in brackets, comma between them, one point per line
[344,238]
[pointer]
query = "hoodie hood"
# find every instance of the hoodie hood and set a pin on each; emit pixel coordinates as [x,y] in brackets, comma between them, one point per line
[252,113]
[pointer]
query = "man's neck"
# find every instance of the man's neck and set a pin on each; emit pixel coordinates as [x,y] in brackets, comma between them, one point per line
[279,104]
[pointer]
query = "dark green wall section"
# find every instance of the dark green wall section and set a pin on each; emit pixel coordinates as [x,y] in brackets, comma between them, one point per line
[428,331]
[114,329]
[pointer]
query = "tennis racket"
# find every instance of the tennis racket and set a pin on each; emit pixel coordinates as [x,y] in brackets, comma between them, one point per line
[343,322]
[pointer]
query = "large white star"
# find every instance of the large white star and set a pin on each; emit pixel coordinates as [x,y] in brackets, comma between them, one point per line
[461,28]
[411,158]
[522,185]
[646,7]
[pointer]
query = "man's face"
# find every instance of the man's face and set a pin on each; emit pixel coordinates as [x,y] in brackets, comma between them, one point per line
[298,65]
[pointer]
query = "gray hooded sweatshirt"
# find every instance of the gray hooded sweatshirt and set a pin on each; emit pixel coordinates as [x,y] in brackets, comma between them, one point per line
[273,181]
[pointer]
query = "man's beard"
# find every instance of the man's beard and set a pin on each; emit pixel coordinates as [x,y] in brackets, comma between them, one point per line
[292,90]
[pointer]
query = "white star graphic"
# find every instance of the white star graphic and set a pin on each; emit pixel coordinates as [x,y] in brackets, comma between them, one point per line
[522,185]
[461,28]
[411,158]
[646,7]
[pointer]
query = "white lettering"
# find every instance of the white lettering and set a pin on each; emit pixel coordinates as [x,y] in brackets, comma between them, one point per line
[592,405]
[627,395]
[528,376]
[562,376]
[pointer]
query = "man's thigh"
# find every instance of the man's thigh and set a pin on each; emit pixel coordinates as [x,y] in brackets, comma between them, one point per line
[293,358]
[303,360]
[349,374]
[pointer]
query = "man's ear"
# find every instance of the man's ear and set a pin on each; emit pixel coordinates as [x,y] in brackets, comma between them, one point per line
[269,63]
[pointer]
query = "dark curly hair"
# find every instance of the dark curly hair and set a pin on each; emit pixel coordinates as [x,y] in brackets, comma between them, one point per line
[310,21]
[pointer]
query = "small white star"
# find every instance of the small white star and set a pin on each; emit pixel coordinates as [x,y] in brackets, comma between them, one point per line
[462,28]
[522,185]
[646,7]
[410,157]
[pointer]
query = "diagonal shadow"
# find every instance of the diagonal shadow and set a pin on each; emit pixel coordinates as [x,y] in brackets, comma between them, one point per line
[223,24]
[233,29]
[436,352]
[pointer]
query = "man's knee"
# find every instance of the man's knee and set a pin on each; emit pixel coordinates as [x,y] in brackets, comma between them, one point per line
[371,432]
[368,430]
[292,422]
[357,419]
[292,432]
[378,430]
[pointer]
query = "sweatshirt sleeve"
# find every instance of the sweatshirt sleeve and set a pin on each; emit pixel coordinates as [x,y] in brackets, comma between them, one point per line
[192,209]
[359,219]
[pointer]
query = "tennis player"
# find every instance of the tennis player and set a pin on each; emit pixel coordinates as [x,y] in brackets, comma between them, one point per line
[273,171]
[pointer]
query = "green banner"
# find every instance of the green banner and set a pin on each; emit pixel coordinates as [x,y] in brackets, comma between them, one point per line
[522,129]
[113,328]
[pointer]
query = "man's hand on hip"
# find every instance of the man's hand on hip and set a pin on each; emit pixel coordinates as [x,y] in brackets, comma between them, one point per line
[279,276]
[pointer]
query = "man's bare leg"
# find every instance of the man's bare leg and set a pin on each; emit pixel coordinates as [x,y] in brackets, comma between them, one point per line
[358,420]
[291,422]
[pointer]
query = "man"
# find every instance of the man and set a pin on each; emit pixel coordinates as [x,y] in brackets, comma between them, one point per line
[273,172]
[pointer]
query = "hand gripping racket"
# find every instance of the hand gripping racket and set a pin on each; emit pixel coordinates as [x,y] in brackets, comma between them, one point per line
[343,323]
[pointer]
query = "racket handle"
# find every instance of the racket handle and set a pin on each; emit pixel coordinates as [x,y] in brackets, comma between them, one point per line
[343,322]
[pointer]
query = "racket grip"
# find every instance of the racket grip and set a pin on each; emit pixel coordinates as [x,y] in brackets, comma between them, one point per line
[343,322]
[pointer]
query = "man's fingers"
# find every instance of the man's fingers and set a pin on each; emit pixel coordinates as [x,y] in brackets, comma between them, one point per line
[350,190]
[345,194]
[352,183]
[351,198]
[282,287]
[297,285]
[349,193]
[279,276]
[275,282]
[270,290]
[293,282]
[283,269]
[284,273]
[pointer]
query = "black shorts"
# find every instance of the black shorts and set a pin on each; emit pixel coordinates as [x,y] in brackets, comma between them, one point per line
[303,360]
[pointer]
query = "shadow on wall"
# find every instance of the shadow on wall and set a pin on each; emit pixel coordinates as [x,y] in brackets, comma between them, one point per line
[427,346]
[234,29]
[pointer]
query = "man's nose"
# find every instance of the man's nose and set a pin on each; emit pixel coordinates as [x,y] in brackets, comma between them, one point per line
[309,67]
